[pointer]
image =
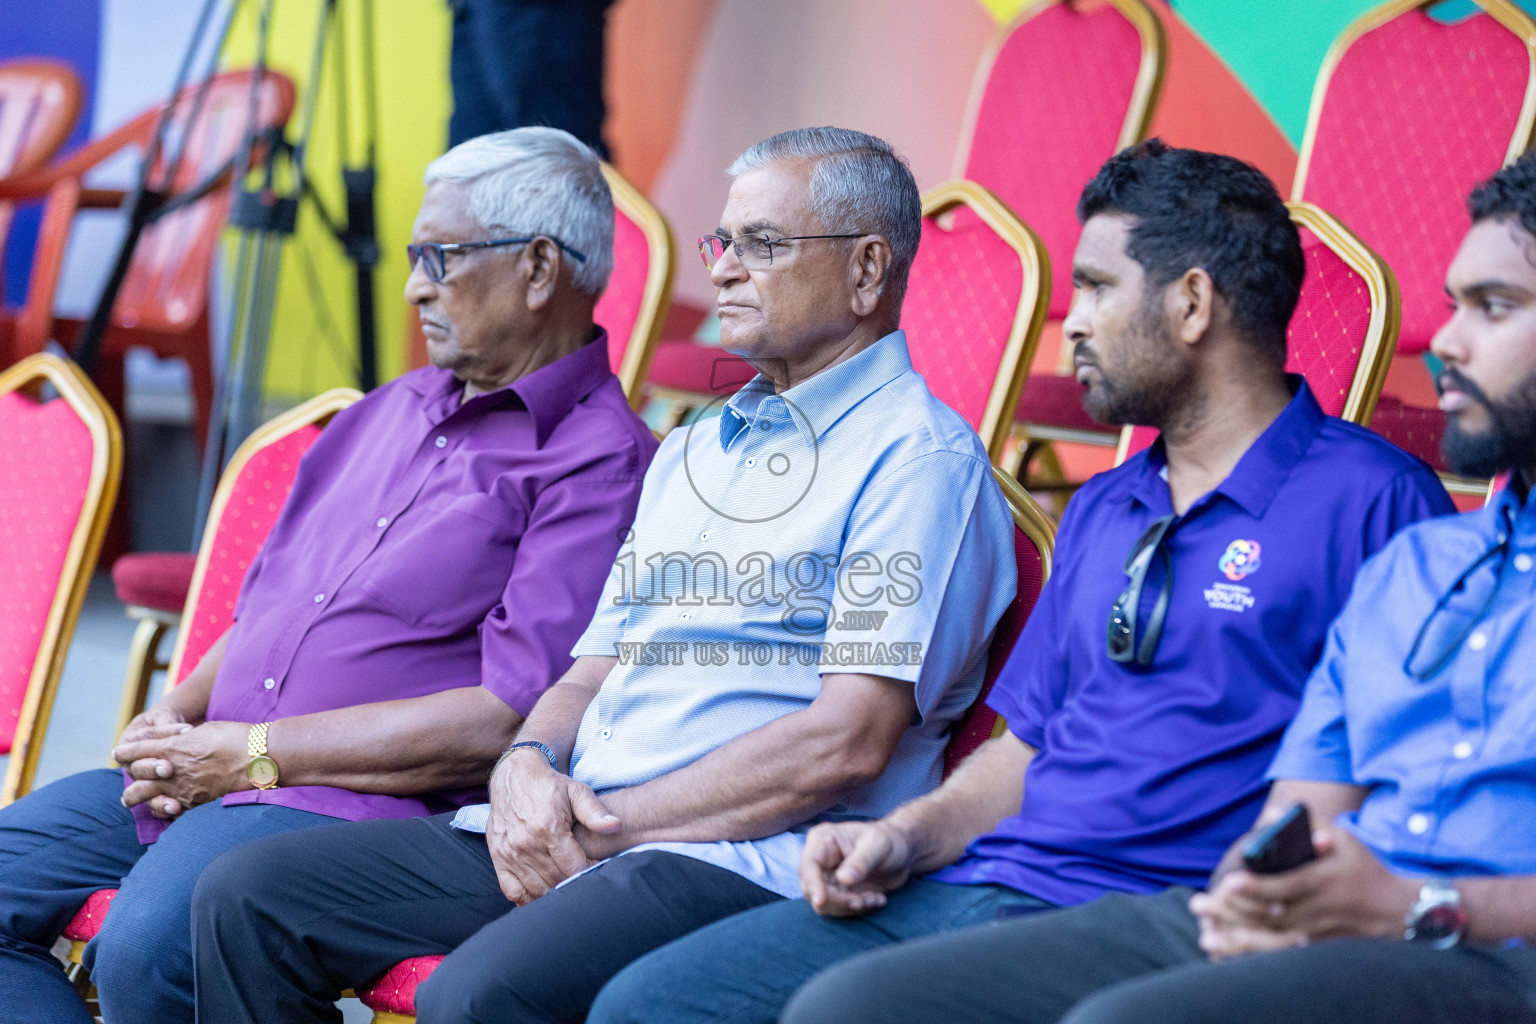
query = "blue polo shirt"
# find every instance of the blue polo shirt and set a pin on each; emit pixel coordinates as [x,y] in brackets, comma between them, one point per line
[1144,776]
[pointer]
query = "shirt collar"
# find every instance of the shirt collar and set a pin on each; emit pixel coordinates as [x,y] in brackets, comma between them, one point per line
[1264,467]
[548,393]
[816,404]
[1515,508]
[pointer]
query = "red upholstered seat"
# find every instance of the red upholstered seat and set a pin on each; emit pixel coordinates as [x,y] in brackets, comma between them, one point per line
[88,919]
[1338,338]
[45,471]
[1057,399]
[698,369]
[1415,429]
[155,579]
[395,992]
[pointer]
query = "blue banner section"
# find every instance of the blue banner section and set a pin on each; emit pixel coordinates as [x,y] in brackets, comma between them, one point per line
[68,30]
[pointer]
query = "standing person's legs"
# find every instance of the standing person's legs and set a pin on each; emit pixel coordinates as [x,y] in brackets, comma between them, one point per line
[58,845]
[1030,969]
[745,968]
[546,961]
[141,961]
[1362,981]
[475,111]
[282,926]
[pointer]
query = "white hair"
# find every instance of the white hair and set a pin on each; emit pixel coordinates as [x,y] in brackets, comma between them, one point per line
[537,181]
[859,185]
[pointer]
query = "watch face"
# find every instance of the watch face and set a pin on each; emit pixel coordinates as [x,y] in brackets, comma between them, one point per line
[1439,924]
[262,771]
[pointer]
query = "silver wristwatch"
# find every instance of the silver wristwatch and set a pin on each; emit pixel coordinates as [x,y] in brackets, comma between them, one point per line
[1437,918]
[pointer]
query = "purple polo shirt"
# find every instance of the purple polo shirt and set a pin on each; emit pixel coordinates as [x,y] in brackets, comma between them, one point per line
[428,545]
[1144,776]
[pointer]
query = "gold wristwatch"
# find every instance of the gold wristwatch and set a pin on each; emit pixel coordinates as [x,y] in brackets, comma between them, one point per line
[261,769]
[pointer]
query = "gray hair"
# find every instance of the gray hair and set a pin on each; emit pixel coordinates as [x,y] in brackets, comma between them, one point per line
[537,181]
[858,185]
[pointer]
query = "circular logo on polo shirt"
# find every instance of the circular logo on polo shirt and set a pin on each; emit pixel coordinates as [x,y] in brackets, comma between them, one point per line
[1240,560]
[775,462]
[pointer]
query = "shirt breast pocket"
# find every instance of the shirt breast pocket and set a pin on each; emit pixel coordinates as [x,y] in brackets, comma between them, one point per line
[445,564]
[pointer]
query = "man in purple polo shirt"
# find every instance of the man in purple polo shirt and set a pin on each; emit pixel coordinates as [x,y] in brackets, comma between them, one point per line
[1192,592]
[444,545]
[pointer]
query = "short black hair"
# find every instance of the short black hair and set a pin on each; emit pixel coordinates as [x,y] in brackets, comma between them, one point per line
[1509,194]
[1195,209]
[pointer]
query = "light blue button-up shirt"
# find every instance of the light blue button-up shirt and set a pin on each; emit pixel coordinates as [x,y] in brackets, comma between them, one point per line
[1449,760]
[851,524]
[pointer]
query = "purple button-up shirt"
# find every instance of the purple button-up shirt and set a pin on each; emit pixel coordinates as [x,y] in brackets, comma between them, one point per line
[428,545]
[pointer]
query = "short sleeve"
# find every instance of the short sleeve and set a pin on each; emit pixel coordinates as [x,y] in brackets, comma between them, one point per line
[563,557]
[1033,682]
[926,570]
[1315,747]
[1411,496]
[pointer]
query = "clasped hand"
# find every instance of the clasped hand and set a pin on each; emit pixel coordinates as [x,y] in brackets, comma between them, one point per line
[537,819]
[1346,891]
[847,867]
[175,765]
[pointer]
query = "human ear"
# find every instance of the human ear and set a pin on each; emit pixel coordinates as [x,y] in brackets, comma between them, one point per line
[1192,299]
[541,262]
[869,273]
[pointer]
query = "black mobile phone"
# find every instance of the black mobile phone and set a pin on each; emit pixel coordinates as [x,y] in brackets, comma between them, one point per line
[1282,845]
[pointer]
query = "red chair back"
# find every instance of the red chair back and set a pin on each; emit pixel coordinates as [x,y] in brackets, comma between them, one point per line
[634,305]
[245,507]
[1033,543]
[1342,335]
[975,303]
[1058,93]
[39,103]
[1408,114]
[167,284]
[60,463]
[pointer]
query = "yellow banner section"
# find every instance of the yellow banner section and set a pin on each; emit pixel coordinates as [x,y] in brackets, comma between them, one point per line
[314,333]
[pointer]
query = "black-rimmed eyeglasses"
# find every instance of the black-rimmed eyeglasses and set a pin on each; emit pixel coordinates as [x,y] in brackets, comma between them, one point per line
[754,251]
[1124,646]
[434,255]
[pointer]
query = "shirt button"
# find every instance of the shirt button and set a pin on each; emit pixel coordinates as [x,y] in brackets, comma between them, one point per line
[685,616]
[751,463]
[269,682]
[442,442]
[764,425]
[1477,641]
[319,598]
[383,522]
[704,535]
[1523,563]
[1418,824]
[1462,750]
[606,734]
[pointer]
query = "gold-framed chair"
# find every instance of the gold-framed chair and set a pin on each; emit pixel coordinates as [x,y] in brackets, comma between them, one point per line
[1408,114]
[976,301]
[1344,331]
[634,306]
[61,461]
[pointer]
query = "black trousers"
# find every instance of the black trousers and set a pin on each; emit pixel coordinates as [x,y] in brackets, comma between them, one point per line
[528,62]
[279,928]
[1135,960]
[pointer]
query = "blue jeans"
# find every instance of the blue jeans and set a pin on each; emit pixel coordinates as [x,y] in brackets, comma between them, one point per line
[745,968]
[65,841]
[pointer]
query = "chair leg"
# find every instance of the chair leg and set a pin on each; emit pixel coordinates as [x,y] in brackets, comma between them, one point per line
[143,662]
[81,978]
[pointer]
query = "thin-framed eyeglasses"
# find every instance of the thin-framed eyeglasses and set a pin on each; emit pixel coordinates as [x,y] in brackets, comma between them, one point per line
[434,255]
[754,251]
[1423,672]
[1121,638]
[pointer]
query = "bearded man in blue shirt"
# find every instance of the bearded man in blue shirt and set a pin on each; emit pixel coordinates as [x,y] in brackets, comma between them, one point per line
[1191,598]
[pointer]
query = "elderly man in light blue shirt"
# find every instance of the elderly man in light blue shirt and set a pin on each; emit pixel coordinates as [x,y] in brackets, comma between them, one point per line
[799,614]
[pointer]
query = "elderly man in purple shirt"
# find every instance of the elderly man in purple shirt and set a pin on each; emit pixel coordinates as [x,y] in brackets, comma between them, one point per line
[444,545]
